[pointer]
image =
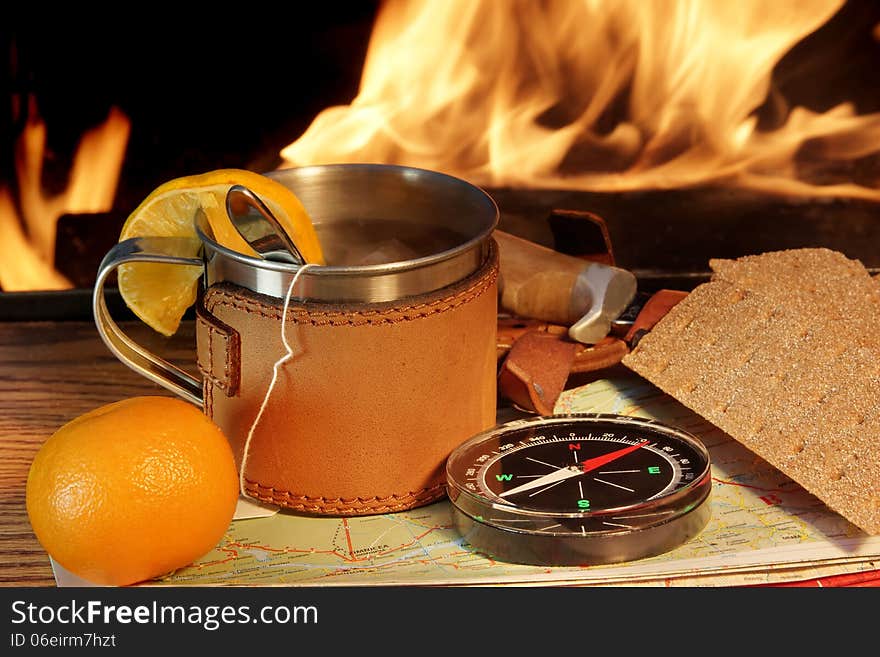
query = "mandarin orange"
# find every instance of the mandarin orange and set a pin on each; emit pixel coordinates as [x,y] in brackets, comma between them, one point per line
[160,293]
[132,490]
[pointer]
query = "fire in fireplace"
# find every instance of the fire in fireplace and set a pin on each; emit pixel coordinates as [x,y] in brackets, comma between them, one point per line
[696,129]
[115,112]
[610,96]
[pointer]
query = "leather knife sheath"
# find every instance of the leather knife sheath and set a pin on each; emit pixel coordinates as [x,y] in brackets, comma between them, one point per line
[537,358]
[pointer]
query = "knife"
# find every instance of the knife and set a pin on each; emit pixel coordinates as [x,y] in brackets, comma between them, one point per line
[546,291]
[540,283]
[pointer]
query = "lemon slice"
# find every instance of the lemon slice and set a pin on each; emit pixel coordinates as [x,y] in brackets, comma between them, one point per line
[159,294]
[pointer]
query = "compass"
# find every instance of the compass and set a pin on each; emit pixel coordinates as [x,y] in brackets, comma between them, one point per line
[579,489]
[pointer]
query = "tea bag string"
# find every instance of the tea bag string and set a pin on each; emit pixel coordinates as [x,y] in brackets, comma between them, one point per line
[288,355]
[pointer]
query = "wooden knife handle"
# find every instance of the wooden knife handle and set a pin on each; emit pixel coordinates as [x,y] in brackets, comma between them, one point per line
[538,282]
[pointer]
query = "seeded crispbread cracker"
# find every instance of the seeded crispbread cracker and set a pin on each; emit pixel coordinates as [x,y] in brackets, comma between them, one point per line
[782,352]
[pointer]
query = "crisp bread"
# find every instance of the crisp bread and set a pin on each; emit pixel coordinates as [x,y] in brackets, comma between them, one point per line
[782,352]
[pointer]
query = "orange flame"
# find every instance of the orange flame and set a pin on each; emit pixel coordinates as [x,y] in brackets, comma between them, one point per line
[27,241]
[530,94]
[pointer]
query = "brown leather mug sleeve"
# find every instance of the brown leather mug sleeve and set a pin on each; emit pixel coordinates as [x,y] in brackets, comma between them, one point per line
[374,398]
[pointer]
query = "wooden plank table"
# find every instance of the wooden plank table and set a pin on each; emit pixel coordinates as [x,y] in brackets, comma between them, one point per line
[50,373]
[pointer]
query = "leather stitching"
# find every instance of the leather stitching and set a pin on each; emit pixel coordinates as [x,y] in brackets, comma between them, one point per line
[224,297]
[375,504]
[208,394]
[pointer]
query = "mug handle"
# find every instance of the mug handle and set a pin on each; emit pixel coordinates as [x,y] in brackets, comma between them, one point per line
[169,250]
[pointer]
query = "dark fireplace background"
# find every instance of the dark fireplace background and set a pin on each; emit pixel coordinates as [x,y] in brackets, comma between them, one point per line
[232,91]
[220,91]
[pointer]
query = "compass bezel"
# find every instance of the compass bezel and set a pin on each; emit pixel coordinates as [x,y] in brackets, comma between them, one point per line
[512,532]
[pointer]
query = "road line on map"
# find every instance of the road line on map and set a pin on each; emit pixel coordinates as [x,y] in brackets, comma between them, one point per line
[348,539]
[766,490]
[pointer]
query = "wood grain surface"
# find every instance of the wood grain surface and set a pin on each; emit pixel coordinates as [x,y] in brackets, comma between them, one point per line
[51,372]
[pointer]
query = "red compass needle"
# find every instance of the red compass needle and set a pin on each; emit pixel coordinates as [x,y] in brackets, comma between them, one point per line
[599,461]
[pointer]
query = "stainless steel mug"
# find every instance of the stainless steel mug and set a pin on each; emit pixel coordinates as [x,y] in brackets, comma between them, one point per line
[396,360]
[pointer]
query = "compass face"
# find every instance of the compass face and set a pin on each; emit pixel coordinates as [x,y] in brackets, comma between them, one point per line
[549,471]
[583,476]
